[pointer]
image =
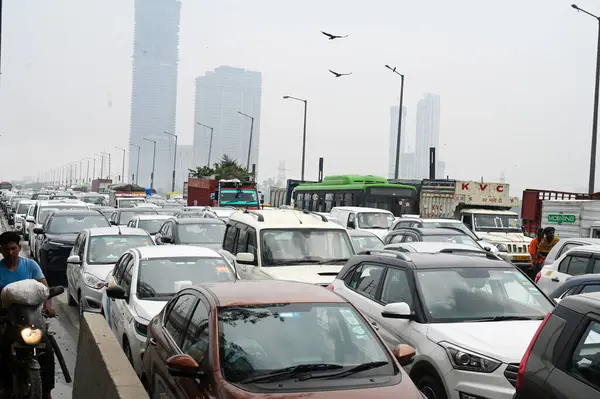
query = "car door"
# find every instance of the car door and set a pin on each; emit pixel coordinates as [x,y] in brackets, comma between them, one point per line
[574,264]
[78,270]
[115,278]
[73,269]
[121,310]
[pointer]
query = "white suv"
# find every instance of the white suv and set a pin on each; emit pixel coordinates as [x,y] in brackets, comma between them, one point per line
[286,245]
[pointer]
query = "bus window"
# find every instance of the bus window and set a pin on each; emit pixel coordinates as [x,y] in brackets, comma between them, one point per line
[328,202]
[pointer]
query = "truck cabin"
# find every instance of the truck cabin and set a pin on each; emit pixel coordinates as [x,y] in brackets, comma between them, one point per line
[237,194]
[491,220]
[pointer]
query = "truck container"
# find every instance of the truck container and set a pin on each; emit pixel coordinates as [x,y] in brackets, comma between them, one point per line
[572,218]
[101,186]
[126,195]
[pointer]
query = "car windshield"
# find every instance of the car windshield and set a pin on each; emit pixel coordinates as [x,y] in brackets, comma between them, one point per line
[75,223]
[129,202]
[91,199]
[452,238]
[362,243]
[375,220]
[44,212]
[258,340]
[469,294]
[151,225]
[201,233]
[14,201]
[188,215]
[107,249]
[459,226]
[495,222]
[302,246]
[235,196]
[162,277]
[126,216]
[23,208]
[168,212]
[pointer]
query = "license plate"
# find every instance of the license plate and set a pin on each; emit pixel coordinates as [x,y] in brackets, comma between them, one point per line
[520,257]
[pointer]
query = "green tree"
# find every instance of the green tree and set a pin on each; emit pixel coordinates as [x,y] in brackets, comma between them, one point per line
[226,168]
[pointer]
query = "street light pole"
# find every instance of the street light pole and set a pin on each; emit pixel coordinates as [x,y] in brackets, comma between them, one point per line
[137,167]
[122,166]
[249,141]
[397,166]
[210,143]
[174,160]
[595,120]
[101,155]
[108,153]
[153,162]
[303,133]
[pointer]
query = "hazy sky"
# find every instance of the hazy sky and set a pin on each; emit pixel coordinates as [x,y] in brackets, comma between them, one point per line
[515,77]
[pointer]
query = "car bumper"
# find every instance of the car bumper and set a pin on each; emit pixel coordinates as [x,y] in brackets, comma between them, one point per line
[91,299]
[465,384]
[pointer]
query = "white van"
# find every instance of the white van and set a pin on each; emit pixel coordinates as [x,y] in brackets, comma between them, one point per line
[286,245]
[374,220]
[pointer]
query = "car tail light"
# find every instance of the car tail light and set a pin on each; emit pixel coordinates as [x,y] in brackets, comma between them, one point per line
[523,364]
[538,276]
[330,287]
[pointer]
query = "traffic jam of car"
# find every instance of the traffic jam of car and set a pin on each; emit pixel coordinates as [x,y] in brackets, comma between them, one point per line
[358,289]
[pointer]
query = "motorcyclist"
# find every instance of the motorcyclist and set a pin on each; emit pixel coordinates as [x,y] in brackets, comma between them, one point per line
[15,268]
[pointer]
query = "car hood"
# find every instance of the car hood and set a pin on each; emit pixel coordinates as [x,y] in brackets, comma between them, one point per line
[502,340]
[63,238]
[148,309]
[494,237]
[101,271]
[314,274]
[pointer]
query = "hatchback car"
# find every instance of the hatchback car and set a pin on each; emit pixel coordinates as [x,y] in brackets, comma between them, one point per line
[363,240]
[269,339]
[142,282]
[576,261]
[446,235]
[576,285]
[204,232]
[150,223]
[122,216]
[469,316]
[93,257]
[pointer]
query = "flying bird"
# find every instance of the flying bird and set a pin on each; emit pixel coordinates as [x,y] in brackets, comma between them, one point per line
[331,37]
[337,75]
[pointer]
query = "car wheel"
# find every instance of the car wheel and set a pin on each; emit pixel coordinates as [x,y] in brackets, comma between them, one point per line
[431,387]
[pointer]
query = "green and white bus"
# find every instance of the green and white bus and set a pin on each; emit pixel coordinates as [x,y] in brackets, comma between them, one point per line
[354,190]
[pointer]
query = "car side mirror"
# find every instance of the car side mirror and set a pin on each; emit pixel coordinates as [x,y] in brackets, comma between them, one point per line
[113,222]
[167,239]
[244,258]
[38,230]
[74,259]
[183,366]
[487,249]
[405,354]
[30,219]
[116,292]
[397,310]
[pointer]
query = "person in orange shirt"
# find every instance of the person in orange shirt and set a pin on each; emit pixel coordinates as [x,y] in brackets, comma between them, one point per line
[533,251]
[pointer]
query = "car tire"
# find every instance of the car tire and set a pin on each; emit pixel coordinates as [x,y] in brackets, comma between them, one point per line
[71,300]
[431,387]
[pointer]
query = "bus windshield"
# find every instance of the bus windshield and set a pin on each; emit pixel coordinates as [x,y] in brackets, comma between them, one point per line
[235,196]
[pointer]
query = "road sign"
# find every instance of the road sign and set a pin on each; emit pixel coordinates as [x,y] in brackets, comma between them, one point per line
[561,218]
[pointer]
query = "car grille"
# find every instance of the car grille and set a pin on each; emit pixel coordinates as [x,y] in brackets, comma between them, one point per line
[511,373]
[518,248]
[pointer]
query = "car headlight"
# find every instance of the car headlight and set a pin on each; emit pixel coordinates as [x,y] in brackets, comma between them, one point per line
[141,327]
[463,359]
[31,336]
[92,281]
[502,247]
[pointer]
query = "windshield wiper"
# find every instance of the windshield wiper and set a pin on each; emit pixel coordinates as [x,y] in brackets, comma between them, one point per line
[288,372]
[506,318]
[347,372]
[332,261]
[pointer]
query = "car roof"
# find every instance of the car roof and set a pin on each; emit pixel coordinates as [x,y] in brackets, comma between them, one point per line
[176,251]
[137,210]
[582,303]
[578,239]
[431,247]
[284,218]
[77,212]
[114,230]
[573,282]
[440,231]
[198,221]
[361,209]
[263,292]
[69,201]
[361,233]
[593,248]
[152,216]
[437,260]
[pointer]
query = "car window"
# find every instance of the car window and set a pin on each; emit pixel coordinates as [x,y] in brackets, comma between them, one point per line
[397,238]
[366,279]
[396,287]
[585,364]
[563,266]
[577,265]
[411,237]
[230,237]
[178,317]
[590,288]
[195,343]
[120,267]
[126,280]
[596,268]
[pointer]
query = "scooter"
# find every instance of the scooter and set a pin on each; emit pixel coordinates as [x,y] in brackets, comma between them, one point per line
[23,328]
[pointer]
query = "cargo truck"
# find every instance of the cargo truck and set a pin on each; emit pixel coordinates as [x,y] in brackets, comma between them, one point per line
[572,218]
[225,192]
[101,186]
[126,195]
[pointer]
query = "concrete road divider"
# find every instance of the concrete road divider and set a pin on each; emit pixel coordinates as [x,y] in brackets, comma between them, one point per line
[102,369]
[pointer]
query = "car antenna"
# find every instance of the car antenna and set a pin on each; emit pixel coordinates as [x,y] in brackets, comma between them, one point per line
[119,228]
[294,213]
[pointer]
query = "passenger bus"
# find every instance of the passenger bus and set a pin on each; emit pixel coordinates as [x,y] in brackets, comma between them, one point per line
[353,190]
[5,185]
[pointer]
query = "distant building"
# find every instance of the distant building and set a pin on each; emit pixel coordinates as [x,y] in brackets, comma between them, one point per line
[185,155]
[220,94]
[408,167]
[394,140]
[428,131]
[154,89]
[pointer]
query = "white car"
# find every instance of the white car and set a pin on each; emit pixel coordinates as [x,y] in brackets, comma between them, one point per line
[565,244]
[150,223]
[93,256]
[142,282]
[584,259]
[469,317]
[20,215]
[432,247]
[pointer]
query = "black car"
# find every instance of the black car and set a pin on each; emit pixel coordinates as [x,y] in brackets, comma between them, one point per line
[412,234]
[59,233]
[200,231]
[577,285]
[563,358]
[122,216]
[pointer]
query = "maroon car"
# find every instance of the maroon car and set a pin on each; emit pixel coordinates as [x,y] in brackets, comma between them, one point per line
[269,339]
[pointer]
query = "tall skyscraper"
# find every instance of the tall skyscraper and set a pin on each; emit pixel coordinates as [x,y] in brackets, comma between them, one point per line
[428,131]
[394,140]
[220,94]
[184,164]
[154,89]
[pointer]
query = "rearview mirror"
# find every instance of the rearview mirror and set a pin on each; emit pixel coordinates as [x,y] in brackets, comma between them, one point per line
[30,219]
[167,239]
[116,292]
[397,310]
[244,258]
[113,222]
[74,259]
[38,230]
[405,354]
[183,366]
[55,291]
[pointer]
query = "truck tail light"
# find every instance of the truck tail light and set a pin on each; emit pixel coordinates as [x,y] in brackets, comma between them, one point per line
[538,276]
[523,364]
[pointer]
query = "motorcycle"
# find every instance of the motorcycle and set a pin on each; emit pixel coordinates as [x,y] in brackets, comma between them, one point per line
[22,327]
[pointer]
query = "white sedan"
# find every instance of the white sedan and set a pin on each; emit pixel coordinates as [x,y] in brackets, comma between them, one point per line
[142,282]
